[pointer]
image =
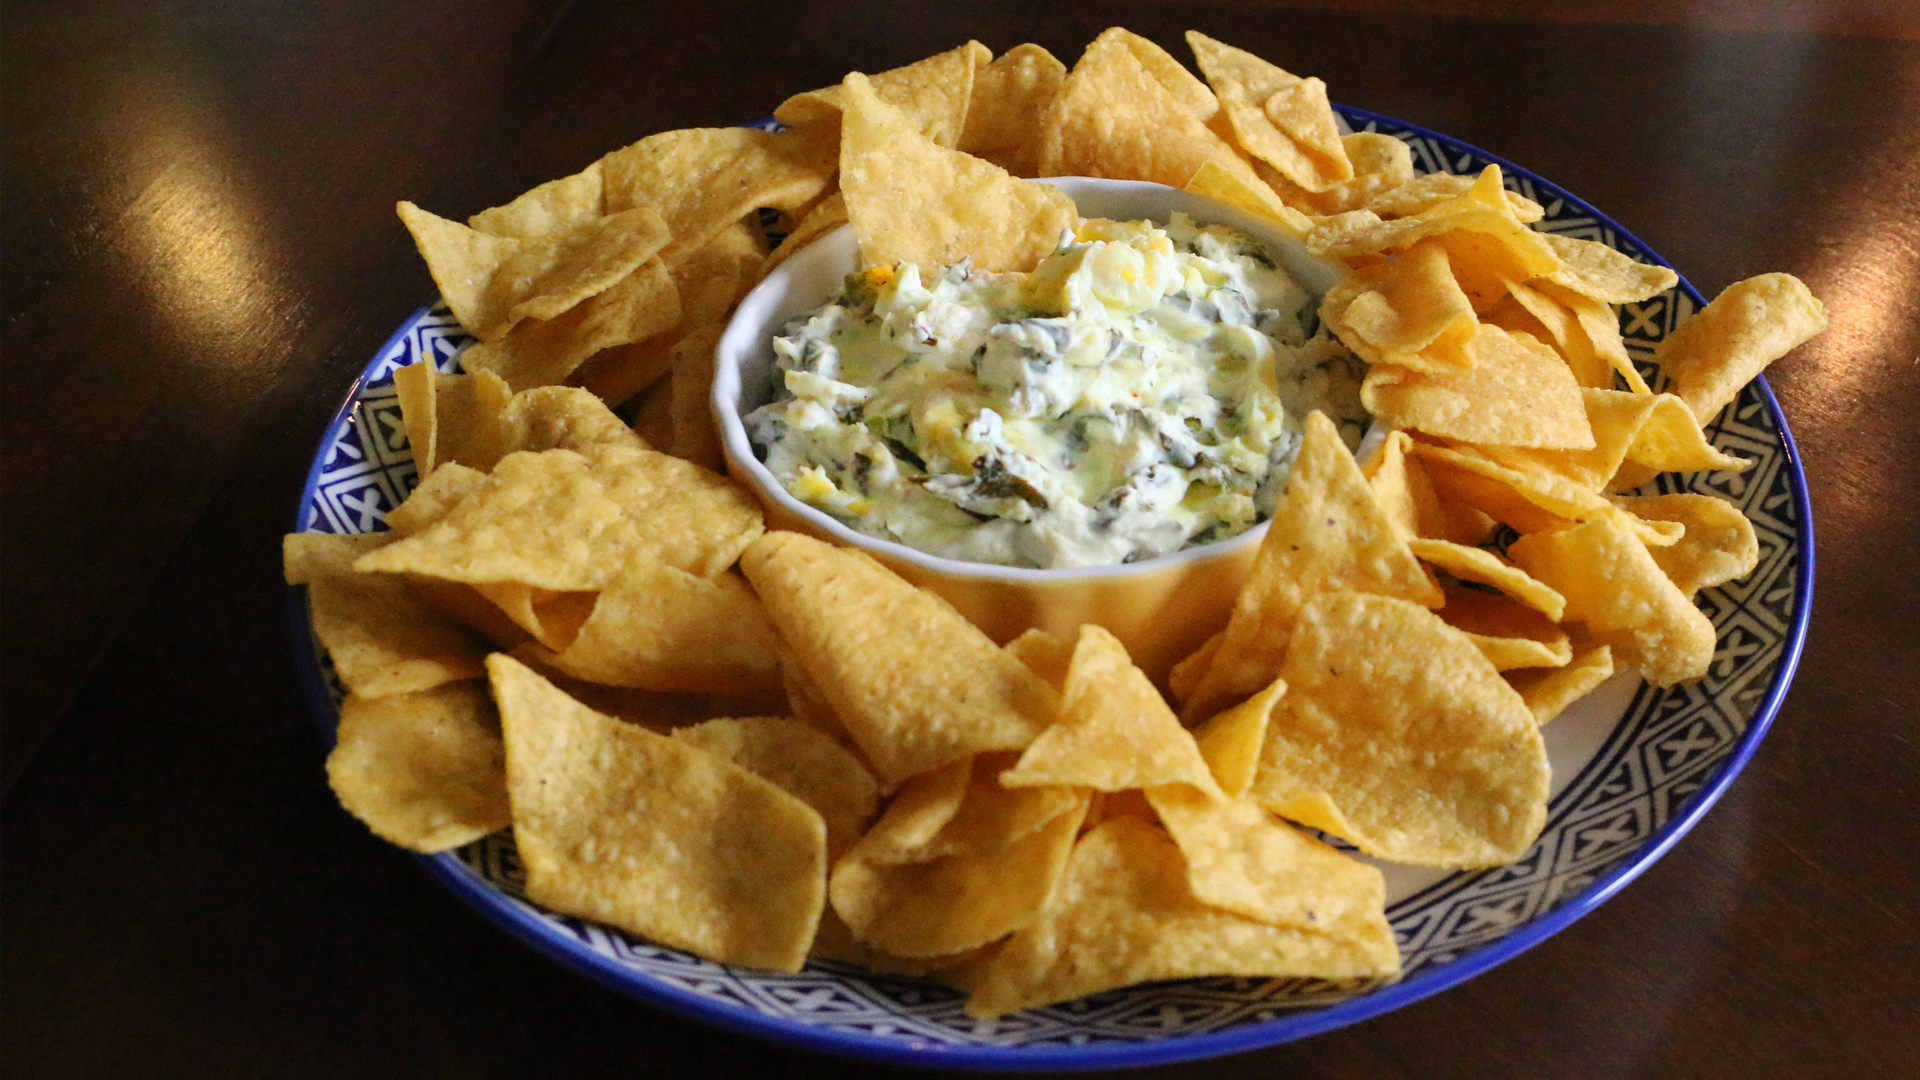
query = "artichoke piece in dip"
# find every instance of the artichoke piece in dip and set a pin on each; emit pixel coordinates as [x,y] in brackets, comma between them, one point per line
[1142,390]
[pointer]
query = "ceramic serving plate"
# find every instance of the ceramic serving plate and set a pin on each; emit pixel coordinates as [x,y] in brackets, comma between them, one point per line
[1634,767]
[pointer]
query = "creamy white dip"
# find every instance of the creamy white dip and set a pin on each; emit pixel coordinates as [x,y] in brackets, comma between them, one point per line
[1141,391]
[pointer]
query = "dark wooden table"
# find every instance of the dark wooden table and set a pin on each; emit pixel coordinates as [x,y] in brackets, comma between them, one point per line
[200,253]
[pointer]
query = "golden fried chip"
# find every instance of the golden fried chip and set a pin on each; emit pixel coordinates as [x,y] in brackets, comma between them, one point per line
[934,94]
[1670,440]
[827,215]
[462,604]
[1418,193]
[553,209]
[382,638]
[917,812]
[1482,208]
[1548,691]
[1381,163]
[1618,592]
[540,519]
[917,685]
[1326,533]
[1406,311]
[453,418]
[702,180]
[1615,418]
[1518,393]
[804,699]
[1045,655]
[695,436]
[1115,731]
[1231,740]
[1192,95]
[1125,914]
[1185,676]
[652,413]
[435,498]
[1215,181]
[804,761]
[1479,564]
[1507,632]
[624,372]
[1726,344]
[1240,859]
[1010,96]
[1275,116]
[564,418]
[661,628]
[714,278]
[1719,545]
[1397,734]
[610,818]
[545,352]
[1600,326]
[425,770]
[1405,495]
[1530,498]
[913,201]
[493,282]
[551,618]
[1114,118]
[1595,270]
[685,516]
[956,902]
[1528,310]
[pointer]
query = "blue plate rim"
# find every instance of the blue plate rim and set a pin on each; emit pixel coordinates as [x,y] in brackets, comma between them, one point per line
[541,936]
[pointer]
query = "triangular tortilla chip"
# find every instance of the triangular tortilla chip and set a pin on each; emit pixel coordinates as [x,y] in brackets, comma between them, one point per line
[1125,914]
[1277,117]
[1517,393]
[917,685]
[1115,731]
[610,818]
[424,770]
[934,94]
[1397,734]
[1726,344]
[913,201]
[1327,533]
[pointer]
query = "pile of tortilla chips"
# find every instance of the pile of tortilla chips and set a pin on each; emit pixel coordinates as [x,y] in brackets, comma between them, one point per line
[759,747]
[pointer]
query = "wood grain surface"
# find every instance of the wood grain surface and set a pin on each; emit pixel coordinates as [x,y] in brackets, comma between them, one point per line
[200,253]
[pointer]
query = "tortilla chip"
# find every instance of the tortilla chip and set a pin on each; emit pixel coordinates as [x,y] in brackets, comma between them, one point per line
[541,519]
[660,628]
[934,94]
[957,902]
[696,437]
[1215,181]
[1125,914]
[1114,118]
[1616,590]
[553,209]
[1719,545]
[1600,326]
[424,770]
[1231,740]
[1185,676]
[1418,193]
[453,418]
[1115,731]
[1508,633]
[917,685]
[1518,393]
[686,516]
[1406,311]
[551,618]
[382,638]
[545,352]
[609,818]
[1670,440]
[1397,734]
[1326,533]
[702,180]
[1276,116]
[493,282]
[827,215]
[913,201]
[804,761]
[1240,859]
[1726,344]
[1479,564]
[1045,655]
[1548,691]
[1595,270]
[1010,96]
[1615,417]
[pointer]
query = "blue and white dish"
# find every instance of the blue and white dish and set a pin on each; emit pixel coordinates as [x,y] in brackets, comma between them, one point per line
[1634,767]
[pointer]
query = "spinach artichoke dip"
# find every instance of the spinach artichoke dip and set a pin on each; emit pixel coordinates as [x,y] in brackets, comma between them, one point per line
[1140,391]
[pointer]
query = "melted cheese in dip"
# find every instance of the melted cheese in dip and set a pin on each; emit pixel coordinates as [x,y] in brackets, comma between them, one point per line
[1139,392]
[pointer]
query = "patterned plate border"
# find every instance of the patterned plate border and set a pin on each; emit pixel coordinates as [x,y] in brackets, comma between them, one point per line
[1668,759]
